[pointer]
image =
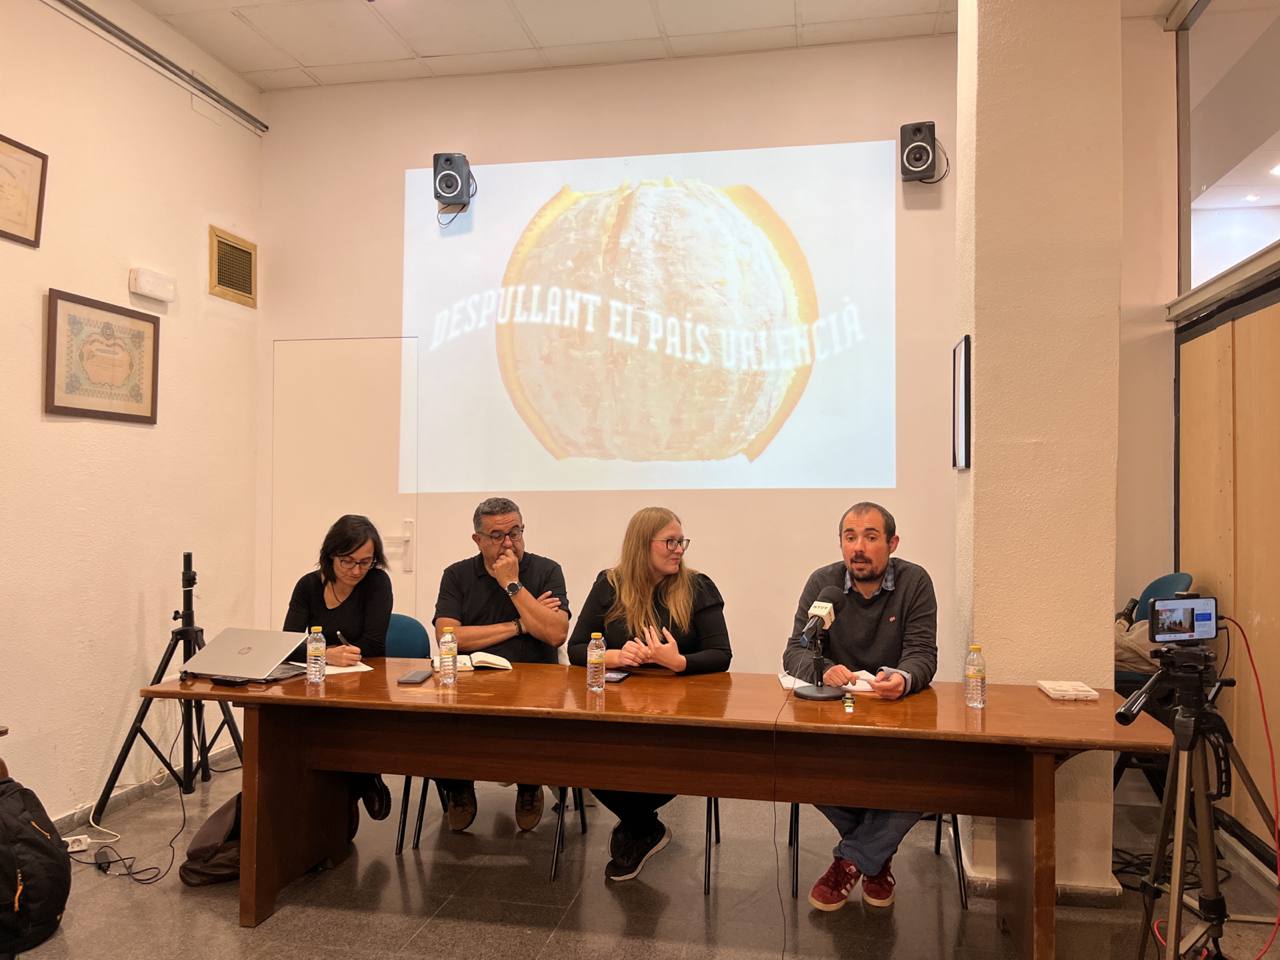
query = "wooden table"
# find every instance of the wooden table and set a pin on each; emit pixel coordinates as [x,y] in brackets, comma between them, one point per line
[724,735]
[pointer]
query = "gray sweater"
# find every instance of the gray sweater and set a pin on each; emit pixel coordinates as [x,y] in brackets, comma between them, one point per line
[897,628]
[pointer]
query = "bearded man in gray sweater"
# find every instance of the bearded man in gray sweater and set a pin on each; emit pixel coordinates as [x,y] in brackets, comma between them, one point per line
[888,626]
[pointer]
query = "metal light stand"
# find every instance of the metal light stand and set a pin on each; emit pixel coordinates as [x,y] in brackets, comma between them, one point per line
[196,747]
[816,690]
[1198,730]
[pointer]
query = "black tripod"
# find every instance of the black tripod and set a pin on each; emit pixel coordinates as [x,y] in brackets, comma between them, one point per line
[196,747]
[1198,732]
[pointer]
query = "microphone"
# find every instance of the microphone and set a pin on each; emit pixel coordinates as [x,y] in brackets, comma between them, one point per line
[822,613]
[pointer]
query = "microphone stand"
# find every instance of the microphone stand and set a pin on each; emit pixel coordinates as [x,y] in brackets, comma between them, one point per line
[816,690]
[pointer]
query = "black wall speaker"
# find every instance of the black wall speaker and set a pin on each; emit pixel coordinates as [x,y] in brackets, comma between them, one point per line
[453,178]
[917,151]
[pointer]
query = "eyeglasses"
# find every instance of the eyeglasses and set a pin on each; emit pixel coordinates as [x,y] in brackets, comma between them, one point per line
[348,564]
[516,533]
[675,543]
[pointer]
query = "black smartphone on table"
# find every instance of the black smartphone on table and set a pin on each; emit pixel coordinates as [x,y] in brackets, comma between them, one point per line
[415,676]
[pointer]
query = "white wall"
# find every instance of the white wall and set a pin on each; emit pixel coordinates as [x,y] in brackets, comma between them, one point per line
[95,515]
[1148,280]
[333,219]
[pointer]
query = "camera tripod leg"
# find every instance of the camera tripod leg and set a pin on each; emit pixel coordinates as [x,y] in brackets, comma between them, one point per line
[202,743]
[1173,929]
[1211,906]
[1150,891]
[188,742]
[1254,793]
[230,722]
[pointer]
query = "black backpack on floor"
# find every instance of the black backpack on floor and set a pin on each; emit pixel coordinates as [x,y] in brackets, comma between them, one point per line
[35,870]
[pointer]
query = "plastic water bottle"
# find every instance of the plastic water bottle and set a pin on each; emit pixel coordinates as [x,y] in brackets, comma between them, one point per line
[315,655]
[975,677]
[448,657]
[595,663]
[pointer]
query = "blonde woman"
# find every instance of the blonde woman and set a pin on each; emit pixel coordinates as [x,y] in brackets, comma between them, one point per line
[653,611]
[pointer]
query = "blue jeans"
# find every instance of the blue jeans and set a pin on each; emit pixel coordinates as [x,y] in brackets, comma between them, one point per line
[869,837]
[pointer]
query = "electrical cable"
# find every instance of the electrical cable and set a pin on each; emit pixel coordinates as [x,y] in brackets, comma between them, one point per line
[1271,757]
[147,875]
[461,206]
[946,170]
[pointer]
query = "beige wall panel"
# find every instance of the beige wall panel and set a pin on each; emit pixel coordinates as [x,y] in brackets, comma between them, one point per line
[1206,437]
[1257,524]
[1206,496]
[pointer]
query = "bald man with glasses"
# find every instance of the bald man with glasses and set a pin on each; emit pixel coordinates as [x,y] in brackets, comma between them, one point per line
[507,602]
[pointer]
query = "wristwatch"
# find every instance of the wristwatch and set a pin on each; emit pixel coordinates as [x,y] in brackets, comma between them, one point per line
[514,587]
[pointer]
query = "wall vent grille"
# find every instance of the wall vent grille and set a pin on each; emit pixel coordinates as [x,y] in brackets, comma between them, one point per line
[233,268]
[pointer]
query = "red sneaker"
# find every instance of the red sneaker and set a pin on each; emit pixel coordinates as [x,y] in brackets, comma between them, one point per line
[833,887]
[878,890]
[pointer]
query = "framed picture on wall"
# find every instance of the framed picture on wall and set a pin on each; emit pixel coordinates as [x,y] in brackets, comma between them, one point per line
[22,176]
[102,360]
[960,404]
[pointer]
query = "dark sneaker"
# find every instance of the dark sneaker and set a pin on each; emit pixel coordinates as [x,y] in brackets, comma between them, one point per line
[462,807]
[878,890]
[832,890]
[528,806]
[618,841]
[377,798]
[630,860]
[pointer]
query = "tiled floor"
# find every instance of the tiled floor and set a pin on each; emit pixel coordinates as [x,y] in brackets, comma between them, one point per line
[485,894]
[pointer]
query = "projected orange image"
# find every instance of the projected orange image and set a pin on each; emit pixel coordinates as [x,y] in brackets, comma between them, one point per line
[662,320]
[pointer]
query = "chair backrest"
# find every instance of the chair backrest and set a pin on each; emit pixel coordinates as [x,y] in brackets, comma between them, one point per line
[406,637]
[1165,586]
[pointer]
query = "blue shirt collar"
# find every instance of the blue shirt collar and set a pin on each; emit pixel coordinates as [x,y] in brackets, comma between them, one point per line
[885,584]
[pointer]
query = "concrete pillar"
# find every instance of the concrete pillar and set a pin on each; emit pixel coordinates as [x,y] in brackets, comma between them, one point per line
[1038,224]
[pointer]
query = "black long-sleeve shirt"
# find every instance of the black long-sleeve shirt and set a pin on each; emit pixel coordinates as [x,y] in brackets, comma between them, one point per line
[896,628]
[363,617]
[705,645]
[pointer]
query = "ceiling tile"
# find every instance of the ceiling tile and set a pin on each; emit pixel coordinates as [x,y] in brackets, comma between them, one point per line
[500,62]
[620,51]
[279,79]
[884,28]
[327,31]
[947,23]
[736,41]
[684,17]
[229,39]
[163,8]
[411,69]
[824,11]
[447,27]
[560,22]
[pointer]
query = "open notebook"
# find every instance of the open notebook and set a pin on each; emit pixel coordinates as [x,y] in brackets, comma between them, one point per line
[477,661]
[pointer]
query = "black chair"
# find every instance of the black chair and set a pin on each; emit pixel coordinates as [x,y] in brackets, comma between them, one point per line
[562,795]
[713,829]
[713,818]
[407,637]
[793,841]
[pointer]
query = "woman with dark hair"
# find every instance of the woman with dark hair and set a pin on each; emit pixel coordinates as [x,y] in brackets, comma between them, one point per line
[652,610]
[349,597]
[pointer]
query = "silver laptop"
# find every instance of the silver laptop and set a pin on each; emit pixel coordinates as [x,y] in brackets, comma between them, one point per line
[243,654]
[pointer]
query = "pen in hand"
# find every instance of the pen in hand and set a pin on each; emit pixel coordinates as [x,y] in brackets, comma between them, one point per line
[351,654]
